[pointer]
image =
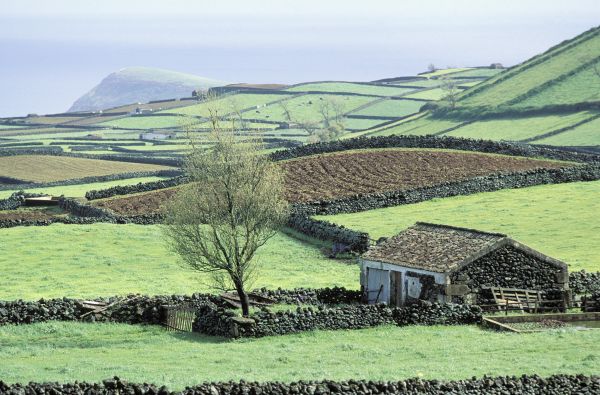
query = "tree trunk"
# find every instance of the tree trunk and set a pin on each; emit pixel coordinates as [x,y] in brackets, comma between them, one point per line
[244,300]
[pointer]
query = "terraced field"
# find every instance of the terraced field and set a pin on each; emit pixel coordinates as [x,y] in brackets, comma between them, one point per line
[45,168]
[337,175]
[419,127]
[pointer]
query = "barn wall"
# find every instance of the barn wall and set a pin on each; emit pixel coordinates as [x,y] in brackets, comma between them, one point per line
[416,283]
[510,267]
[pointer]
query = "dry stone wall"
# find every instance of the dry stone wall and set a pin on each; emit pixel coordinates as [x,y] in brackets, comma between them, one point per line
[510,268]
[486,385]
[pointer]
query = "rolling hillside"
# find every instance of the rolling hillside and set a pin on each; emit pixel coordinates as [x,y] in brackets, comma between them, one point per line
[140,85]
[552,98]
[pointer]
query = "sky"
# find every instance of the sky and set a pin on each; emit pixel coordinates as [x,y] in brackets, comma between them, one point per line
[52,52]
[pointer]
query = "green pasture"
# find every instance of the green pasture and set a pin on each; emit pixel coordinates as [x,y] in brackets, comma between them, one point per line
[419,83]
[517,128]
[587,134]
[228,104]
[419,127]
[68,351]
[524,78]
[441,72]
[477,72]
[306,107]
[80,189]
[108,259]
[392,108]
[7,127]
[347,87]
[147,122]
[558,220]
[361,123]
[429,94]
[580,87]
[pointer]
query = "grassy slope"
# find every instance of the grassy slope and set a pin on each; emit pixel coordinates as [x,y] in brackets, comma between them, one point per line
[581,87]
[228,104]
[107,259]
[392,108]
[350,88]
[145,122]
[517,128]
[41,168]
[523,78]
[419,127]
[586,134]
[430,94]
[92,352]
[80,189]
[306,107]
[557,220]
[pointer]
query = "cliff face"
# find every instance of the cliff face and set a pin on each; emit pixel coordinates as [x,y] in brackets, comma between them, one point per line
[140,84]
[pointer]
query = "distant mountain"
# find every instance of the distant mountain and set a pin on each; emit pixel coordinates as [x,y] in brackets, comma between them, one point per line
[140,84]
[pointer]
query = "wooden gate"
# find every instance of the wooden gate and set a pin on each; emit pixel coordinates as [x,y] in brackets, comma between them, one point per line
[179,317]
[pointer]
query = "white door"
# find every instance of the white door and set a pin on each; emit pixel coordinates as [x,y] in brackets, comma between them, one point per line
[378,282]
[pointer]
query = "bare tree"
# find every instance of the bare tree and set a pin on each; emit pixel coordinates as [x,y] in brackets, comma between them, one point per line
[233,206]
[287,114]
[451,91]
[431,68]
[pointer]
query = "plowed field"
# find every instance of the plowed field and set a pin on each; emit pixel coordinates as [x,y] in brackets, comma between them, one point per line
[143,203]
[343,174]
[359,172]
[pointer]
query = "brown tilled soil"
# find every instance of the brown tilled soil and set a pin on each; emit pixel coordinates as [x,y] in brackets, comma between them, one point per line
[145,203]
[343,174]
[28,214]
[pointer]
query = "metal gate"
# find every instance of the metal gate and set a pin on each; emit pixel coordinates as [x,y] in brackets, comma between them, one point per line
[179,317]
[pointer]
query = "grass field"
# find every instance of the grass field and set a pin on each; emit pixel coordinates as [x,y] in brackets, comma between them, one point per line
[392,108]
[478,72]
[419,127]
[587,134]
[448,71]
[306,107]
[557,220]
[146,122]
[524,78]
[108,259]
[45,168]
[430,94]
[517,128]
[80,189]
[581,87]
[359,124]
[227,104]
[65,352]
[347,87]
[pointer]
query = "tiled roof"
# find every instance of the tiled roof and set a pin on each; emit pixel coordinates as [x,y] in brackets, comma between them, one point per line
[432,247]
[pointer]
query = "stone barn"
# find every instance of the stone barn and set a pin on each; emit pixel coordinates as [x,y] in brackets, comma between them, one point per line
[449,264]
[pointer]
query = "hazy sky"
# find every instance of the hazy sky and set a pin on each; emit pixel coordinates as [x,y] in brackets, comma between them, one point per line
[51,52]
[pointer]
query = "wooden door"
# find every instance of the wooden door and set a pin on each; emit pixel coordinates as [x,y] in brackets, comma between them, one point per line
[395,288]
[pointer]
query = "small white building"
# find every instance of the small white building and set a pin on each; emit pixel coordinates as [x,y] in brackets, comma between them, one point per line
[442,263]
